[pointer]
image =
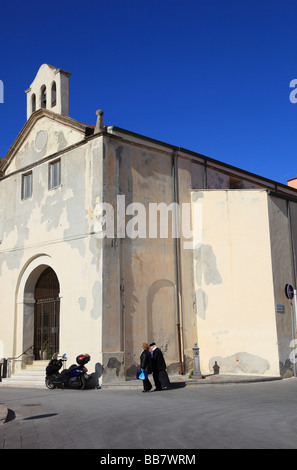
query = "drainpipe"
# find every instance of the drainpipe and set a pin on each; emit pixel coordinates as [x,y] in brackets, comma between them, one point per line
[177,260]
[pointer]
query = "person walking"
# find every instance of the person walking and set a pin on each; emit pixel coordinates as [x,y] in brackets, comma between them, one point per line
[146,364]
[160,375]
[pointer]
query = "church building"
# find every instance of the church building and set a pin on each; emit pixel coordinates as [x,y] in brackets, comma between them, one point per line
[109,239]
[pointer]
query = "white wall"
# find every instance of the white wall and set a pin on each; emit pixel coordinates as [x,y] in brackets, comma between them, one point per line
[234,285]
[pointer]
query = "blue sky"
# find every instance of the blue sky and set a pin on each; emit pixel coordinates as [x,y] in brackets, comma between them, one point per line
[211,76]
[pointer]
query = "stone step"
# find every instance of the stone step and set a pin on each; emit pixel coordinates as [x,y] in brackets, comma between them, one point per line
[27,373]
[23,383]
[22,376]
[32,375]
[37,365]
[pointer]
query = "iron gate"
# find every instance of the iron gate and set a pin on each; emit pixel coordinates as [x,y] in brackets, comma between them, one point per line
[46,315]
[46,330]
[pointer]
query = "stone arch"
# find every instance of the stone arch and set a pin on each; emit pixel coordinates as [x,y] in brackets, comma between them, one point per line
[162,318]
[25,301]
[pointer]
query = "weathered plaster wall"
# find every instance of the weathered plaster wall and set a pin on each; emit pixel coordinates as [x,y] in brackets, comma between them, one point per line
[187,290]
[234,289]
[139,276]
[283,273]
[55,225]
[205,175]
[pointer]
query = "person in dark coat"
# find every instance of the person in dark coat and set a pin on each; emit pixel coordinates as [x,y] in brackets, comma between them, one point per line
[160,376]
[146,364]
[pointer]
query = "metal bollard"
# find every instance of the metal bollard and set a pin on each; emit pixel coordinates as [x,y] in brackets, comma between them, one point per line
[197,372]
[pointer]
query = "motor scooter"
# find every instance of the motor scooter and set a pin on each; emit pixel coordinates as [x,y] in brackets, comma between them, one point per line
[75,377]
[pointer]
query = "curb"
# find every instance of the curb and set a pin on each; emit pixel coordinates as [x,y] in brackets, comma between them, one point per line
[237,380]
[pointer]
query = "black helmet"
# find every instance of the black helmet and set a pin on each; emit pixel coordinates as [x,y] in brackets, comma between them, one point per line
[83,359]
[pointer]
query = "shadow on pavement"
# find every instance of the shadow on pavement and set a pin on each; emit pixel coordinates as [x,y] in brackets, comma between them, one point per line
[40,416]
[175,385]
[10,416]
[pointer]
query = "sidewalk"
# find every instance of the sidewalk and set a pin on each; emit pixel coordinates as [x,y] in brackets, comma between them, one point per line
[178,381]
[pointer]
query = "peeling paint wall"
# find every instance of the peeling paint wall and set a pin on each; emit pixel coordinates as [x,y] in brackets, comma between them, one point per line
[139,274]
[46,138]
[206,175]
[56,227]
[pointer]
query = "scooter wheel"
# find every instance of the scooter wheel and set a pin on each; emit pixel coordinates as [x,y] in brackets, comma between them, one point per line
[49,384]
[83,382]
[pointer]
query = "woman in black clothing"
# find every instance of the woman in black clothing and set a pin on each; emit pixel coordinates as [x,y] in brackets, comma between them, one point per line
[160,375]
[146,364]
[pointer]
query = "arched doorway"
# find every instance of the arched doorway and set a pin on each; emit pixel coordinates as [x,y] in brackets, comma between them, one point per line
[162,321]
[46,315]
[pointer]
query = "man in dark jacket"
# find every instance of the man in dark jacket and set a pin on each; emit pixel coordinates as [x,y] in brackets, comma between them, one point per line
[159,368]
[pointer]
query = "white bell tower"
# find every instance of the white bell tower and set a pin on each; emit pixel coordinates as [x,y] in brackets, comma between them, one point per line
[49,90]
